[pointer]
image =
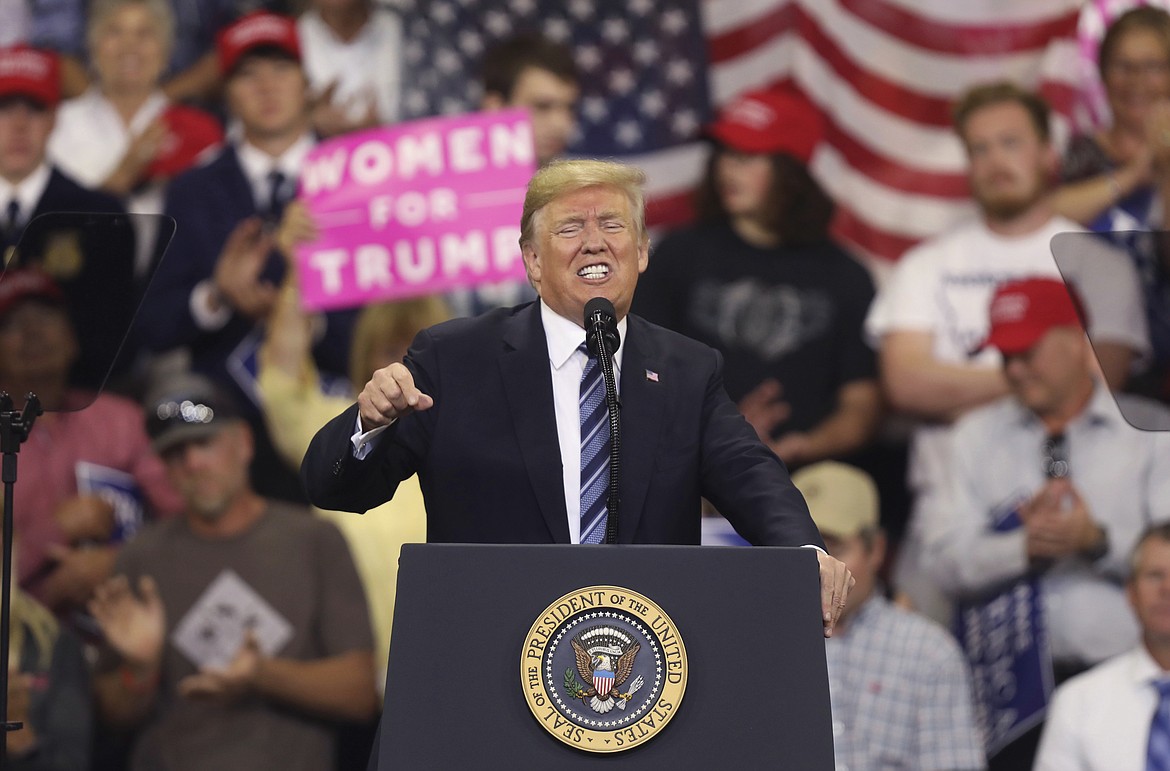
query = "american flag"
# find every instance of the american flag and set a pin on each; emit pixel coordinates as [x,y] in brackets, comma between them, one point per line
[884,72]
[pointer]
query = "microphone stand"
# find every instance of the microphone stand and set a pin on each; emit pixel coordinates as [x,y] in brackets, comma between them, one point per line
[599,341]
[14,429]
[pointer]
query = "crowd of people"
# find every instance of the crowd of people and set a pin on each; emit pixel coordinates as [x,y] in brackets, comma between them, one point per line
[160,524]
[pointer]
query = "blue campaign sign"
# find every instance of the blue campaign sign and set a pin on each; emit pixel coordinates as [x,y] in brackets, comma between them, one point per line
[1005,638]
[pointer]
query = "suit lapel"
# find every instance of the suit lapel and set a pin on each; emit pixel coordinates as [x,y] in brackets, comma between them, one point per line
[524,369]
[643,403]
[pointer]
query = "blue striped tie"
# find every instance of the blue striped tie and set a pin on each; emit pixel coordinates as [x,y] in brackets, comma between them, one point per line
[1158,751]
[595,442]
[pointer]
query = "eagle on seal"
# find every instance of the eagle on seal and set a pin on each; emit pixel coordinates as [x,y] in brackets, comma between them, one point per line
[607,667]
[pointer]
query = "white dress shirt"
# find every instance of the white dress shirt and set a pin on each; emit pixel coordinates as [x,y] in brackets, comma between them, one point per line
[1100,720]
[27,193]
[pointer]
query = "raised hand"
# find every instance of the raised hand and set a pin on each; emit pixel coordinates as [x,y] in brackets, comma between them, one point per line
[134,625]
[238,269]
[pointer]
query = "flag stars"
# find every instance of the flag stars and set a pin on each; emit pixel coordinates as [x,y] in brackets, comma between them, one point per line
[497,23]
[588,58]
[558,29]
[684,124]
[615,31]
[674,21]
[640,7]
[679,72]
[594,108]
[652,103]
[448,62]
[628,133]
[415,102]
[523,7]
[646,52]
[582,10]
[443,13]
[470,42]
[414,52]
[622,81]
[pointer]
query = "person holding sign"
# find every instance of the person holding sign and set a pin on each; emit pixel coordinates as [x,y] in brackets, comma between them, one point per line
[219,280]
[485,410]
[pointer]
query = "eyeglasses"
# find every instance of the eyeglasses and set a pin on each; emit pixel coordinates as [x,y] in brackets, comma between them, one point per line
[1054,457]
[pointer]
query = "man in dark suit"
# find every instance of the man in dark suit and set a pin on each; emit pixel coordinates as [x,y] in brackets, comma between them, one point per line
[217,284]
[90,258]
[485,410]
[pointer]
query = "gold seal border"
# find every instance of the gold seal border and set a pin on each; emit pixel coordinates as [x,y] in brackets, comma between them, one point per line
[601,598]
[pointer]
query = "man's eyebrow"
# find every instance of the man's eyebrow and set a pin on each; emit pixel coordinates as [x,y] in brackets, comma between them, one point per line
[609,215]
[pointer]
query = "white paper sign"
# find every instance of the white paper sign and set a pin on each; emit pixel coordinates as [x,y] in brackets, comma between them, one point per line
[212,631]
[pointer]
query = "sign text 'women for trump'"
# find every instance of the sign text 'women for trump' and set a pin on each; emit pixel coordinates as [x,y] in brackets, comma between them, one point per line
[416,208]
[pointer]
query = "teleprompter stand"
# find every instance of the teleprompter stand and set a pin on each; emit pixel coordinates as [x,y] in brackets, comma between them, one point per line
[14,429]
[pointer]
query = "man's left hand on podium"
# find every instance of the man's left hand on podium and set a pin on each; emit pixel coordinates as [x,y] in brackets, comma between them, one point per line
[836,582]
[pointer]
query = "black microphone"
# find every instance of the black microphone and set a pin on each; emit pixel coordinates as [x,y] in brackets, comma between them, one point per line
[601,326]
[601,335]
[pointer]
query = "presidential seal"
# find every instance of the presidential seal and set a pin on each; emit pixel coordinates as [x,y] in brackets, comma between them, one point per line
[603,669]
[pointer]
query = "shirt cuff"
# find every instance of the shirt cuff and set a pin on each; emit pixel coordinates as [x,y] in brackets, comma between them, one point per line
[814,546]
[364,442]
[200,305]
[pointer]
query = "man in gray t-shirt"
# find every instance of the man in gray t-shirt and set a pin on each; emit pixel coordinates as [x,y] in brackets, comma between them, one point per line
[235,632]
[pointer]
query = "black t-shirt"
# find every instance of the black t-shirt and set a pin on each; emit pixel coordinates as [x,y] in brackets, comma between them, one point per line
[793,314]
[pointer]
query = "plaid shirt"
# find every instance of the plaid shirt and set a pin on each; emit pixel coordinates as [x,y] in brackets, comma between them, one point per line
[901,694]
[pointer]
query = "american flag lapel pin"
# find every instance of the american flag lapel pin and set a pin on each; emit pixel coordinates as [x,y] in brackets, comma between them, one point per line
[652,376]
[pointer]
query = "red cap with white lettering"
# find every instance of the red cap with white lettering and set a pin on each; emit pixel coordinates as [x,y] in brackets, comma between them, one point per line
[31,73]
[257,30]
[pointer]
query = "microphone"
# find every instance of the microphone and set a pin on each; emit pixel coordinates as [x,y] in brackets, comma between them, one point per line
[601,326]
[601,335]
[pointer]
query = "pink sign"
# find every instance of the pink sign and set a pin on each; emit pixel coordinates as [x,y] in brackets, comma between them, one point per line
[415,208]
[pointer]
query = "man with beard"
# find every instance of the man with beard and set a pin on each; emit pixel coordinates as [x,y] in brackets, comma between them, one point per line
[932,314]
[238,634]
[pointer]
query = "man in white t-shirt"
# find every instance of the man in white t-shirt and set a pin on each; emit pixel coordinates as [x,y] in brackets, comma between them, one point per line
[352,55]
[932,312]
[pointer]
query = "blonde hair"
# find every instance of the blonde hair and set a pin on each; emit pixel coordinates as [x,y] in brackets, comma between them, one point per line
[563,177]
[31,620]
[391,322]
[101,10]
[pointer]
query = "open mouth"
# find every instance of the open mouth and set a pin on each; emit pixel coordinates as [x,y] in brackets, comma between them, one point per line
[594,272]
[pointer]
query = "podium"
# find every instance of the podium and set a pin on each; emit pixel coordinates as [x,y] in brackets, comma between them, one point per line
[459,692]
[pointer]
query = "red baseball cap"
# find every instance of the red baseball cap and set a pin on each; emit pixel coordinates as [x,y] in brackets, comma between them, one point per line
[259,29]
[31,73]
[1023,311]
[19,284]
[190,134]
[774,120]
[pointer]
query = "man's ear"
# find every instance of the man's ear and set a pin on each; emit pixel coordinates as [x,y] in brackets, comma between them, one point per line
[492,100]
[531,263]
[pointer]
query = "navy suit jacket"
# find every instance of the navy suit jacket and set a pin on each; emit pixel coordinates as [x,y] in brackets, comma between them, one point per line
[489,462]
[207,203]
